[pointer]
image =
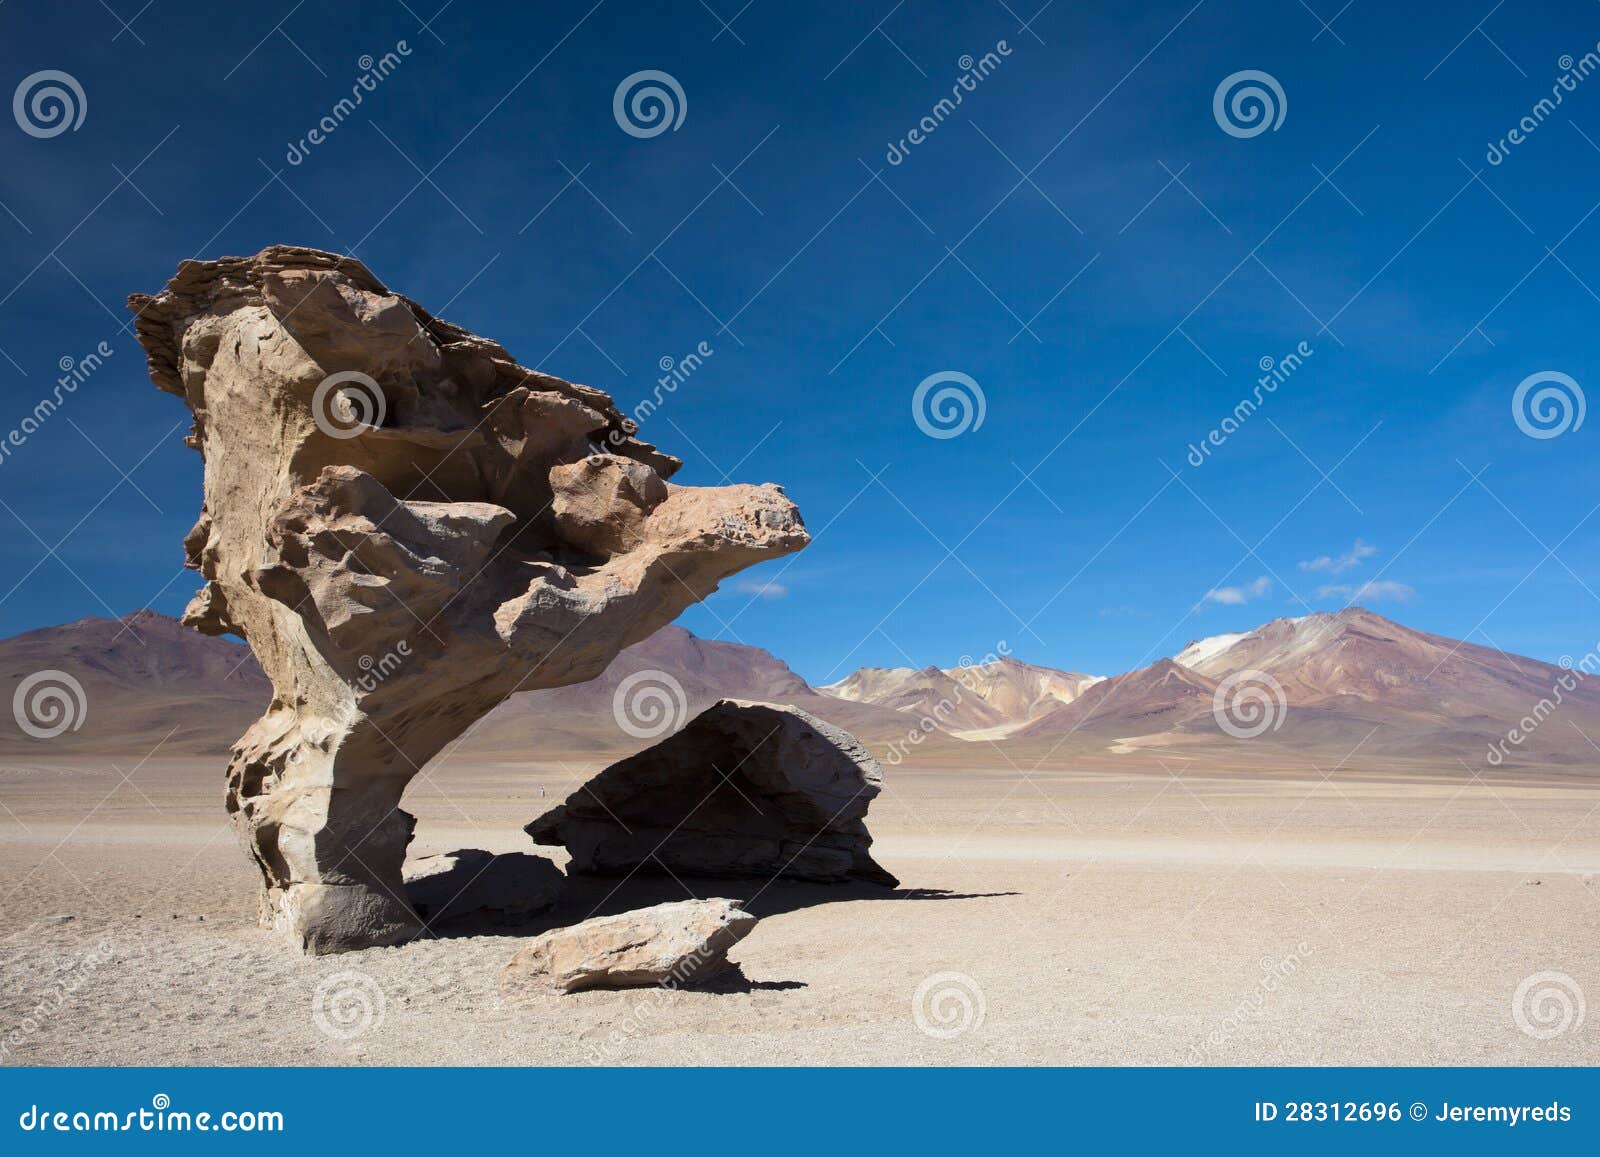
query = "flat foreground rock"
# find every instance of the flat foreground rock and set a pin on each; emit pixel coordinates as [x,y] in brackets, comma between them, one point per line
[745,789]
[670,944]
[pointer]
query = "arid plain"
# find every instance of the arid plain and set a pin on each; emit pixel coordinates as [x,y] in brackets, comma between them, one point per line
[1123,910]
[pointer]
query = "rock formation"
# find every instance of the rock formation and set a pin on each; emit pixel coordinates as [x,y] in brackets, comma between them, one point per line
[745,789]
[684,942]
[406,526]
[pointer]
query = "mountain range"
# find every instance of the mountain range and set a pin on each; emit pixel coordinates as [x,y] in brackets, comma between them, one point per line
[1324,685]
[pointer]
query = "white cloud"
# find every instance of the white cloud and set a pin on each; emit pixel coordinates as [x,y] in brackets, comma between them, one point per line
[1331,564]
[1380,591]
[761,590]
[1238,596]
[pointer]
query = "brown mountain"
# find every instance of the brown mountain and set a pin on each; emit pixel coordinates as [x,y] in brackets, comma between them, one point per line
[583,717]
[1359,655]
[1161,697]
[145,679]
[1349,680]
[979,701]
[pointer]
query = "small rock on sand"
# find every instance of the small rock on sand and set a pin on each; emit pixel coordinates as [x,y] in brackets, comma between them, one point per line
[668,945]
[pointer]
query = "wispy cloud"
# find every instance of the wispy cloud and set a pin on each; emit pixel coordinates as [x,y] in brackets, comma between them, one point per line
[1338,564]
[1382,591]
[761,590]
[1238,596]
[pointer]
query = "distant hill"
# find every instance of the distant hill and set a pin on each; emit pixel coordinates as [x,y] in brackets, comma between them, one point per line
[980,701]
[145,678]
[1335,683]
[1343,681]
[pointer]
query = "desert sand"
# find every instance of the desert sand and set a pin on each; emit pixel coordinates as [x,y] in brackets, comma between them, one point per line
[1130,911]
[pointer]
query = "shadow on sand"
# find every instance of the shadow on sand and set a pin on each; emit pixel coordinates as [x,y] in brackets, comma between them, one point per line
[586,897]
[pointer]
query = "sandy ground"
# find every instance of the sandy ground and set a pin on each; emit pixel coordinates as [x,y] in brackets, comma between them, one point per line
[1124,915]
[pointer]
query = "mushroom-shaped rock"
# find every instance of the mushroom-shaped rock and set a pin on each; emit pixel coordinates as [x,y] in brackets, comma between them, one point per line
[744,789]
[669,945]
[406,526]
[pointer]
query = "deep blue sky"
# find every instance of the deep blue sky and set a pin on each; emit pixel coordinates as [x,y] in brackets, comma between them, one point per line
[1056,526]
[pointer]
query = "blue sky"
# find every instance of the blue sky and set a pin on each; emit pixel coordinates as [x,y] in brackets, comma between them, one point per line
[1080,237]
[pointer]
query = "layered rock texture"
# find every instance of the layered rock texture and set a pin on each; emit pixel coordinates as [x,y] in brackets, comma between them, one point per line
[745,789]
[669,945]
[406,526]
